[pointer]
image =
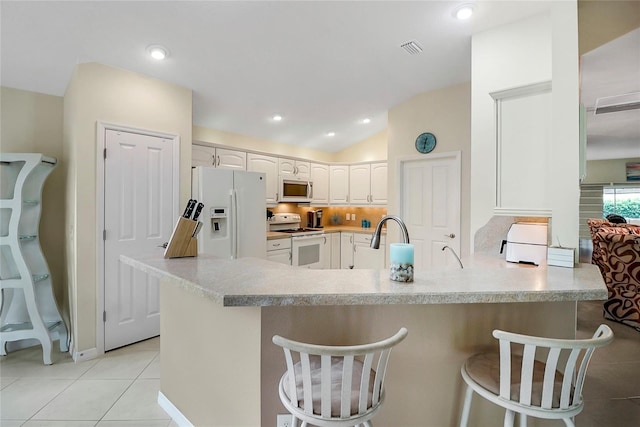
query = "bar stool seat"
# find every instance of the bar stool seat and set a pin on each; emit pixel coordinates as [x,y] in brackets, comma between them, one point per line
[518,380]
[334,385]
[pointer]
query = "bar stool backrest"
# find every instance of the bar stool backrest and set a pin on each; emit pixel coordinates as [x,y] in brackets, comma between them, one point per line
[341,383]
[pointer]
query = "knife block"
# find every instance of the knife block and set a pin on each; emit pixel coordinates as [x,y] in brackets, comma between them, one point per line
[182,243]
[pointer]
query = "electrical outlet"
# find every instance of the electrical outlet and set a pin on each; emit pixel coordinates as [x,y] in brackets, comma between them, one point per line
[353,217]
[283,420]
[348,216]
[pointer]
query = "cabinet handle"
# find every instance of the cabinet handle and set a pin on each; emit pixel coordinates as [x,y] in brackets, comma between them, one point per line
[295,170]
[276,197]
[325,239]
[213,160]
[276,244]
[289,256]
[218,161]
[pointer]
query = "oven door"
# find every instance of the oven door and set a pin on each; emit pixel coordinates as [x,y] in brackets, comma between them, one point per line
[307,251]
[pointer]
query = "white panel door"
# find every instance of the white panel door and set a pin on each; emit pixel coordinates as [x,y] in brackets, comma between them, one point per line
[430,203]
[138,218]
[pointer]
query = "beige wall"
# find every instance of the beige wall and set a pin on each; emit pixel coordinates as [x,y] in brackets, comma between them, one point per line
[250,143]
[32,123]
[370,149]
[100,93]
[447,113]
[533,50]
[373,148]
[608,171]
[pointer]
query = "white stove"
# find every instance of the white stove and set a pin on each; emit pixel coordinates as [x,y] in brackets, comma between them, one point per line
[307,244]
[290,223]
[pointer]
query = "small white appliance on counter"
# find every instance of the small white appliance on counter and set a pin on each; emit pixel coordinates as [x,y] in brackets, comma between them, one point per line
[233,213]
[527,243]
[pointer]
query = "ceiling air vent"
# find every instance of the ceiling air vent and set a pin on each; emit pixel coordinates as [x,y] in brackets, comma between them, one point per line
[612,104]
[412,47]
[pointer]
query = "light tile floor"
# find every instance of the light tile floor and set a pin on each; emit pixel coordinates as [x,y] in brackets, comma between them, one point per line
[120,389]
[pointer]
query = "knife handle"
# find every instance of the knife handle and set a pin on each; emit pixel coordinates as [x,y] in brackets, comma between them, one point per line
[196,214]
[190,205]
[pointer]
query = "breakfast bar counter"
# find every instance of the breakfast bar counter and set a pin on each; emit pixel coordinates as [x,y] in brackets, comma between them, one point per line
[219,367]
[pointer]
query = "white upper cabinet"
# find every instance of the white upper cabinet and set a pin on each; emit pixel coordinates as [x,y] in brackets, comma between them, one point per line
[339,184]
[269,166]
[320,178]
[294,167]
[202,155]
[368,184]
[379,183]
[359,184]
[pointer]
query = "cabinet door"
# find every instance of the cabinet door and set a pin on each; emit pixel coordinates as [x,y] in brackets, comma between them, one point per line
[326,249]
[320,179]
[366,257]
[359,184]
[231,159]
[202,155]
[346,250]
[286,166]
[339,184]
[378,183]
[269,166]
[335,250]
[282,256]
[303,169]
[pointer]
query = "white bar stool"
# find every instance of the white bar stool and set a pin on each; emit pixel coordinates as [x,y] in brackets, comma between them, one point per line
[334,385]
[520,383]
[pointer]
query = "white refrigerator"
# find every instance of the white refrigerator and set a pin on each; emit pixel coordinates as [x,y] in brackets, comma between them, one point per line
[234,212]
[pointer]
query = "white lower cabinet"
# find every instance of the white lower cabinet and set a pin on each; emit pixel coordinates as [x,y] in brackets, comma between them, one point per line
[335,250]
[346,250]
[279,250]
[364,256]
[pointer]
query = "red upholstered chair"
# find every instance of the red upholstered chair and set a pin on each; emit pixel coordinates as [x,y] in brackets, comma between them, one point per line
[621,272]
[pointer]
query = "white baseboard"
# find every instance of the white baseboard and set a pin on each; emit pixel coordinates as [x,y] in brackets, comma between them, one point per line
[81,356]
[173,412]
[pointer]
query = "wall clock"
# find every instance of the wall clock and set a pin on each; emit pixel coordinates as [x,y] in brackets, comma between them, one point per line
[425,142]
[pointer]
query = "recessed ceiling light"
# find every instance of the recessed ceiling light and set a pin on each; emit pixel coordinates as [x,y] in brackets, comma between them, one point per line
[331,134]
[366,121]
[276,117]
[463,12]
[157,52]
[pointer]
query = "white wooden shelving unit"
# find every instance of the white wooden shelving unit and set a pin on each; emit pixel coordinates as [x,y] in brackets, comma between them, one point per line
[28,309]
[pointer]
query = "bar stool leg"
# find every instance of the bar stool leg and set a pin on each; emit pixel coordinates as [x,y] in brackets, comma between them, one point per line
[523,420]
[464,418]
[509,418]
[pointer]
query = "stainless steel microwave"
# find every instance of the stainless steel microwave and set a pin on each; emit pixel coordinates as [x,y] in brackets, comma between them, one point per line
[295,189]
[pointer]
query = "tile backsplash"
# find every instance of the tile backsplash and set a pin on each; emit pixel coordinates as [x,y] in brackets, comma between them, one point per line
[335,215]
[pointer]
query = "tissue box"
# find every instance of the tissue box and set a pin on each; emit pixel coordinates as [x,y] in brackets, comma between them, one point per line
[561,257]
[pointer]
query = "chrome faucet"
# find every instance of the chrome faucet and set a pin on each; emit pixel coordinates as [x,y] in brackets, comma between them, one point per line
[454,254]
[375,239]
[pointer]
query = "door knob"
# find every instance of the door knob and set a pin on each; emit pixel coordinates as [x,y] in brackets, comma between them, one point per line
[450,235]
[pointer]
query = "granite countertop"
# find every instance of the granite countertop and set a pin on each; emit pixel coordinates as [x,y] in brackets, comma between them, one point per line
[258,282]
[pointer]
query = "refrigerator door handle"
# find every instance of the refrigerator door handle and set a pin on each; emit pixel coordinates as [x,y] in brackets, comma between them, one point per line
[234,226]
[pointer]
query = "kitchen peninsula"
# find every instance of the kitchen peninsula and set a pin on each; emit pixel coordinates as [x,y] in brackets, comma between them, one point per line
[219,367]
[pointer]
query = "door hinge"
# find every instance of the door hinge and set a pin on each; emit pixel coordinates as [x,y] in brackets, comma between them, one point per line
[104,234]
[104,153]
[104,316]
